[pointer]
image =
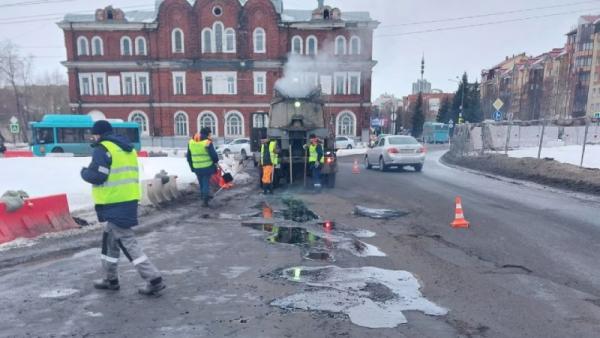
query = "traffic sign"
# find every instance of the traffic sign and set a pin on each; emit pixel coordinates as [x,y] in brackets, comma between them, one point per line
[451,123]
[13,120]
[14,128]
[498,104]
[497,115]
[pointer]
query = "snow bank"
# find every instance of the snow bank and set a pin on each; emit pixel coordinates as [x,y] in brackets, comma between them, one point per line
[41,176]
[350,152]
[565,154]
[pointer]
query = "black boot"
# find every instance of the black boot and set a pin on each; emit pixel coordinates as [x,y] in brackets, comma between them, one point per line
[105,284]
[153,287]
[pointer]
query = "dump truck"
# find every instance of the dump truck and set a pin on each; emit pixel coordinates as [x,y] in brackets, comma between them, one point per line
[291,121]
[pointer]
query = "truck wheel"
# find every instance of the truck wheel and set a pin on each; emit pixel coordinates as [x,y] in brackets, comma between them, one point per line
[418,167]
[58,150]
[331,181]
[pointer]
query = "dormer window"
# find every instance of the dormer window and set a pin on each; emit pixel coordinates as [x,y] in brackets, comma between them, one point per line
[326,14]
[109,14]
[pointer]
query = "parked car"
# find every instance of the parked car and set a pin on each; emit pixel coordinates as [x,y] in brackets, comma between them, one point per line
[396,151]
[343,142]
[237,146]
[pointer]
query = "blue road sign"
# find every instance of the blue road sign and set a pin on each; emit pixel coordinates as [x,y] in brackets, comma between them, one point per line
[498,116]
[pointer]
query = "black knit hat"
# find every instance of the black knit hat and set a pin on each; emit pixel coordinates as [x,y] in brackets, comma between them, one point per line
[101,127]
[204,132]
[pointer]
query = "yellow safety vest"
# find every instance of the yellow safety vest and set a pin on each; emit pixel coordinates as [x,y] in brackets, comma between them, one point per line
[123,183]
[313,155]
[272,153]
[200,157]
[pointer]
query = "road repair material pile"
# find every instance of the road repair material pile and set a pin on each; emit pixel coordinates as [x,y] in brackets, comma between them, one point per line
[543,171]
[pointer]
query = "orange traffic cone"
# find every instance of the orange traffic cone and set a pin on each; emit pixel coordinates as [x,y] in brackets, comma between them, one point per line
[459,218]
[355,168]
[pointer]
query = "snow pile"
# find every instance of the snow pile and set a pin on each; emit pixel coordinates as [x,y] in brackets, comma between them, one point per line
[41,176]
[371,297]
[565,154]
[350,152]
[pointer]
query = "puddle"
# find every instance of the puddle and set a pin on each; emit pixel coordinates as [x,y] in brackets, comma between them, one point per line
[361,249]
[58,293]
[319,256]
[234,272]
[94,314]
[371,297]
[297,211]
[378,213]
[363,233]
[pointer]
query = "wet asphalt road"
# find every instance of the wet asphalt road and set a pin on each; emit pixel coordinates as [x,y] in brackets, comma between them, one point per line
[527,267]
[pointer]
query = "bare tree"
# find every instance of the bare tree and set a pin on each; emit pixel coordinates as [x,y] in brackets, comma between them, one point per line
[12,70]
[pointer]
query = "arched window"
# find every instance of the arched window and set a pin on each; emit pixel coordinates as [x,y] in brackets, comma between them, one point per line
[207,41]
[126,46]
[311,45]
[177,41]
[181,124]
[83,47]
[259,40]
[140,46]
[97,47]
[140,118]
[296,45]
[230,40]
[234,125]
[340,45]
[218,30]
[208,119]
[346,124]
[355,45]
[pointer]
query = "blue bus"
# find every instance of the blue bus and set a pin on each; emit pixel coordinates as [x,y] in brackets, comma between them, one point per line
[72,134]
[434,132]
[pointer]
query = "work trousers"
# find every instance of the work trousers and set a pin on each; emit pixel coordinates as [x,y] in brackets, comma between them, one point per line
[204,181]
[316,175]
[115,240]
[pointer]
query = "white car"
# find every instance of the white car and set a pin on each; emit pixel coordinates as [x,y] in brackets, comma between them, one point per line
[343,142]
[396,151]
[237,146]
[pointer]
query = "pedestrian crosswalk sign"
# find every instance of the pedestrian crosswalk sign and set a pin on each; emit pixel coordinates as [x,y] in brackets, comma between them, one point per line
[14,128]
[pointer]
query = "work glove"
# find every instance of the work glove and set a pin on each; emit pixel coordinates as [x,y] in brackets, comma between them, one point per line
[317,164]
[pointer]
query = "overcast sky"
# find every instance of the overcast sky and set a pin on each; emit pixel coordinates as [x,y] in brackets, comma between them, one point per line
[399,41]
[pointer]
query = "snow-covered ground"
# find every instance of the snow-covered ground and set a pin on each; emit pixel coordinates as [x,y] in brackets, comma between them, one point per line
[350,152]
[564,154]
[41,176]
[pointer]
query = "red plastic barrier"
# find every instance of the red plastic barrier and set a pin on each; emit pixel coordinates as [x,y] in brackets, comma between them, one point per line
[18,153]
[38,216]
[142,153]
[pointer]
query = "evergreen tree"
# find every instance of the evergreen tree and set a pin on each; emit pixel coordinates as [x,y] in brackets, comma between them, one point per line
[418,118]
[443,115]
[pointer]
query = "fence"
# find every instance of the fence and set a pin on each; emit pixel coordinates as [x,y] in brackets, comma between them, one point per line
[543,138]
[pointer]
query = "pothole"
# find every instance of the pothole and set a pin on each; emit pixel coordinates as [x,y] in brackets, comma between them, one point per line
[378,213]
[297,211]
[369,296]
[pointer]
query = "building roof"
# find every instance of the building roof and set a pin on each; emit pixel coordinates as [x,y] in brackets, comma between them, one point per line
[287,15]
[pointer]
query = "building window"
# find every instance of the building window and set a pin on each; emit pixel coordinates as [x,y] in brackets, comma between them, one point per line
[208,119]
[217,11]
[181,124]
[260,83]
[142,84]
[85,84]
[234,125]
[340,83]
[128,83]
[311,45]
[140,118]
[97,47]
[346,124]
[218,29]
[355,45]
[208,85]
[229,40]
[260,120]
[326,81]
[140,46]
[231,85]
[179,83]
[177,41]
[100,84]
[83,47]
[207,40]
[259,40]
[354,83]
[340,45]
[296,45]
[126,46]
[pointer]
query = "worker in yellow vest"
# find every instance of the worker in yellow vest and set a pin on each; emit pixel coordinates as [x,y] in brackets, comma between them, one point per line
[316,159]
[114,175]
[269,162]
[203,159]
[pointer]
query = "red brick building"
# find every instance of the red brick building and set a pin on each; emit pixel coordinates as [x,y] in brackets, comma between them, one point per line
[214,63]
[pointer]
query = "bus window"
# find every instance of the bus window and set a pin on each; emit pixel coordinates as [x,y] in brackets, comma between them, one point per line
[70,135]
[87,135]
[44,135]
[132,134]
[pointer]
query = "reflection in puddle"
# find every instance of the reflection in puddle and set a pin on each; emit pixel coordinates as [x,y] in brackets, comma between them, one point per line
[378,213]
[371,297]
